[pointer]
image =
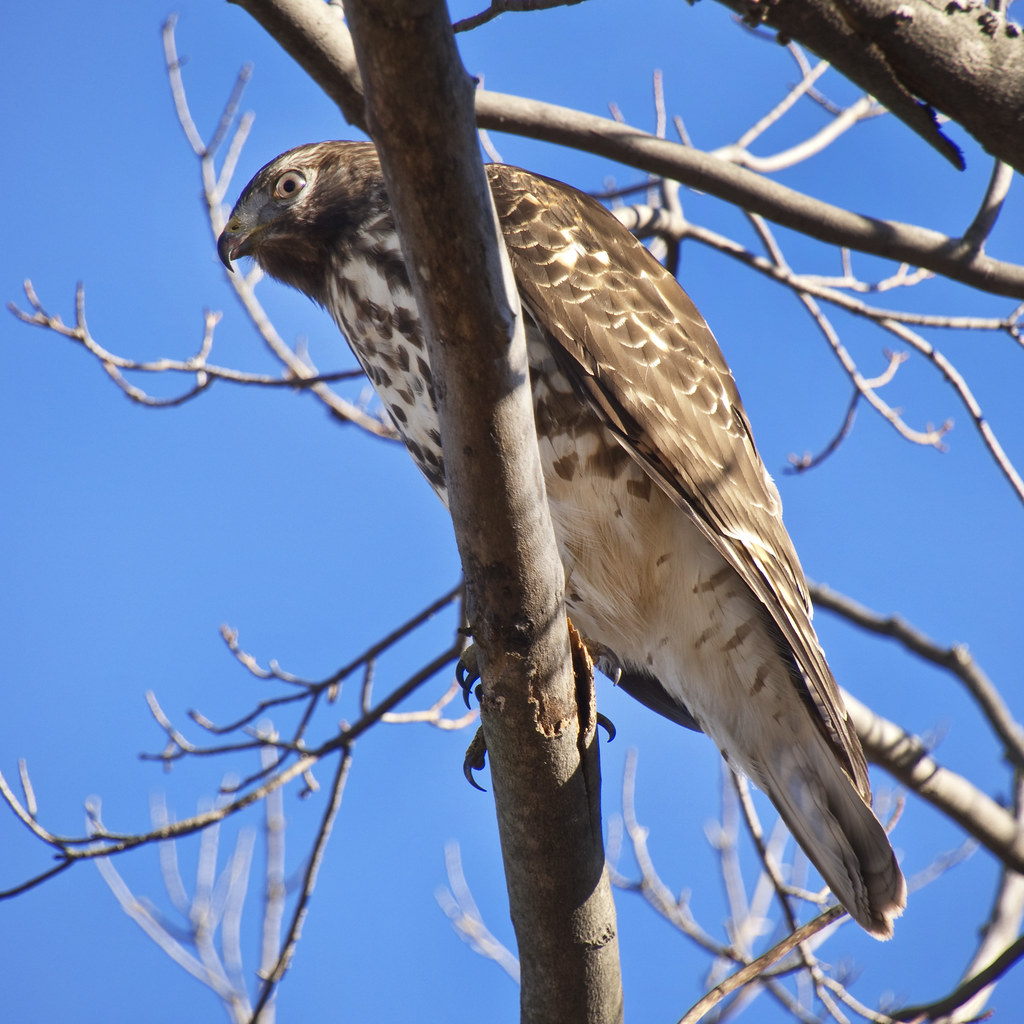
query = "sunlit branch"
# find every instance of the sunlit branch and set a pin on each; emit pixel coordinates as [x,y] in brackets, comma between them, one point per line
[968,999]
[906,758]
[751,971]
[215,187]
[967,399]
[955,659]
[991,206]
[275,889]
[676,911]
[196,366]
[973,985]
[461,910]
[842,120]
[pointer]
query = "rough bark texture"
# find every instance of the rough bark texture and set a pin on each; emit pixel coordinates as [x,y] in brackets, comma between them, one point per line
[915,57]
[544,762]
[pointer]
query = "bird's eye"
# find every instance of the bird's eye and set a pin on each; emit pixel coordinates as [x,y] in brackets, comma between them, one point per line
[289,185]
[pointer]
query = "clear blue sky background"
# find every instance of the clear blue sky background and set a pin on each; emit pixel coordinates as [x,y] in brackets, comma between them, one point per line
[128,535]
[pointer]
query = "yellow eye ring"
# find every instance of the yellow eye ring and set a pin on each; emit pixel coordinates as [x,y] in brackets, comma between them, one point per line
[289,185]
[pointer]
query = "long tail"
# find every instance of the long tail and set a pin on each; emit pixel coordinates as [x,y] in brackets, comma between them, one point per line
[836,829]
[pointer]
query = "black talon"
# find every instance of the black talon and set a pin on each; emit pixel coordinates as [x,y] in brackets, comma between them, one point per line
[475,759]
[607,724]
[467,673]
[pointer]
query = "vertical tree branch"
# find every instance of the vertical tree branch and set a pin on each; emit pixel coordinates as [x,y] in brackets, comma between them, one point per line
[544,758]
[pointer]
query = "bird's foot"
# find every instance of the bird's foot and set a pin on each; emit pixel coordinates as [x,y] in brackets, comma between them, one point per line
[467,672]
[475,759]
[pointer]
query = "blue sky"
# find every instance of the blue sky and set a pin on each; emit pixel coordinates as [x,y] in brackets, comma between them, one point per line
[129,535]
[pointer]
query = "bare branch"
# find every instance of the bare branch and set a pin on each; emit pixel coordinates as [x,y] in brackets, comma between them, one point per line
[904,756]
[966,396]
[320,42]
[756,967]
[991,206]
[1001,931]
[215,186]
[932,1011]
[433,715]
[173,64]
[502,6]
[900,53]
[739,152]
[460,908]
[650,886]
[955,659]
[274,976]
[800,463]
[274,890]
[144,918]
[196,366]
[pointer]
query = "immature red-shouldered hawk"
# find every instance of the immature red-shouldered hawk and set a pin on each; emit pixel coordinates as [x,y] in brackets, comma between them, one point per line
[669,528]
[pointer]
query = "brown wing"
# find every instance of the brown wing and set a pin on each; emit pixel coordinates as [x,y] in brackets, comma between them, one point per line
[638,351]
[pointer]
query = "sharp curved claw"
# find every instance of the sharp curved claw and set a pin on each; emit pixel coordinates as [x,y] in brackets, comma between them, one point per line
[467,770]
[607,724]
[606,662]
[466,681]
[467,673]
[475,759]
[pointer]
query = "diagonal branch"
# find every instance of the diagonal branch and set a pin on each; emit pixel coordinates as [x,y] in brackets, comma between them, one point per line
[955,659]
[916,57]
[273,977]
[756,967]
[905,757]
[316,36]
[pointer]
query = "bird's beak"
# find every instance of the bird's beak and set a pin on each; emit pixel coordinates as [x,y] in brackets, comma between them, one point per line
[234,242]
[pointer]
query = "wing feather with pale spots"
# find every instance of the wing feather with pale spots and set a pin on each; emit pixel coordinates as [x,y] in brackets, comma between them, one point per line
[676,561]
[637,350]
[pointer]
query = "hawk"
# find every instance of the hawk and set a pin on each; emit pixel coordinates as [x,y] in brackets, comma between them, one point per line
[668,525]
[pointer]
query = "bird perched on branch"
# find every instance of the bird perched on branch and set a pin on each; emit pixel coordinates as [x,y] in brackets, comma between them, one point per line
[668,525]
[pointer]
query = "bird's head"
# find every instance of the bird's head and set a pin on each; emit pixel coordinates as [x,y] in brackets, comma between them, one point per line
[301,211]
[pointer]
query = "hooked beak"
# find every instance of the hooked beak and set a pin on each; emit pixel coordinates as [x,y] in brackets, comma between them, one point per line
[233,243]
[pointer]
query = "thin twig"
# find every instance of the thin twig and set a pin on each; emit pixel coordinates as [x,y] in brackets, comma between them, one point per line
[933,1011]
[271,980]
[991,206]
[501,6]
